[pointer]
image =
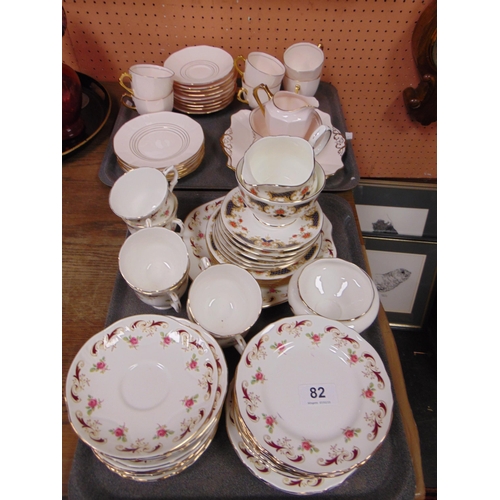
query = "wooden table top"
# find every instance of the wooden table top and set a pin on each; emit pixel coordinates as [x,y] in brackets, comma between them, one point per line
[91,239]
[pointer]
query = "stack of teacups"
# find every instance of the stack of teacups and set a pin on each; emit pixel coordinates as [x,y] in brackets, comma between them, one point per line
[304,64]
[154,262]
[226,301]
[150,88]
[146,395]
[259,68]
[144,197]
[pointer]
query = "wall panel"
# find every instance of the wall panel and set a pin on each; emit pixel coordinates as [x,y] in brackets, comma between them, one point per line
[367,46]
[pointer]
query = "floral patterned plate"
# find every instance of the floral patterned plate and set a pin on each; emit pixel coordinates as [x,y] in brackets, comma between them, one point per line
[107,405]
[242,224]
[314,394]
[265,472]
[260,273]
[195,238]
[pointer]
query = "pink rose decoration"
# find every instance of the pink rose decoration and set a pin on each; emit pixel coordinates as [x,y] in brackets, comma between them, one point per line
[316,337]
[269,420]
[166,340]
[193,364]
[259,376]
[368,393]
[349,433]
[134,341]
[92,403]
[101,365]
[354,358]
[189,403]
[119,432]
[161,432]
[306,445]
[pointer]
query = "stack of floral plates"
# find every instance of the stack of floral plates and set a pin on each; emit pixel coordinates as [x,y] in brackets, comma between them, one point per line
[198,236]
[269,253]
[153,434]
[311,403]
[204,81]
[159,140]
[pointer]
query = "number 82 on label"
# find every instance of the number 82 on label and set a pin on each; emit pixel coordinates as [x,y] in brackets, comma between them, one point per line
[319,394]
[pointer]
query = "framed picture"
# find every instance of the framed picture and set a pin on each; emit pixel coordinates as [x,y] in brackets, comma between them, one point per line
[397,209]
[405,274]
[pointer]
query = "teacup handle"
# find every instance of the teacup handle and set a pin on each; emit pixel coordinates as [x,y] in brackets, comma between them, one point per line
[204,263]
[123,84]
[177,222]
[240,343]
[256,95]
[240,97]
[237,59]
[173,182]
[124,100]
[175,301]
[319,138]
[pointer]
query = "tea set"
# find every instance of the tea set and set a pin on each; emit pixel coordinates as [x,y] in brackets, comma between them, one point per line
[231,257]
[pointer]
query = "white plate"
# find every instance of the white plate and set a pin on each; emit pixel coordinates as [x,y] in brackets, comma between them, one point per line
[240,136]
[199,65]
[158,140]
[194,235]
[263,470]
[314,394]
[107,405]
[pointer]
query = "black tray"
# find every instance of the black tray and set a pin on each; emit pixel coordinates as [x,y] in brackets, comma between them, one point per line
[96,108]
[213,172]
[219,473]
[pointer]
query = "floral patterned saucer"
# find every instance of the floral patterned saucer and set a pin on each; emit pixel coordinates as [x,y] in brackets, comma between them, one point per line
[142,469]
[195,238]
[336,408]
[260,271]
[243,225]
[107,406]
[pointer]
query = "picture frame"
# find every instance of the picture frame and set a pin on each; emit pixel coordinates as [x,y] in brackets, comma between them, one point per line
[404,272]
[397,209]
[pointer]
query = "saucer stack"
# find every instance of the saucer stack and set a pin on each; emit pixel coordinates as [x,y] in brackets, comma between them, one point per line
[159,140]
[269,253]
[204,81]
[154,434]
[310,403]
